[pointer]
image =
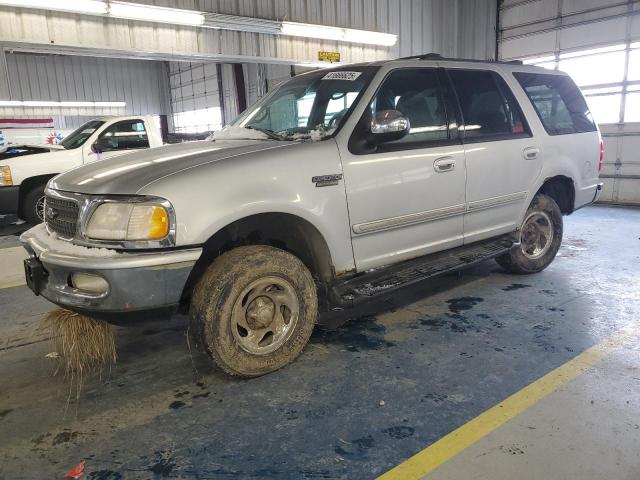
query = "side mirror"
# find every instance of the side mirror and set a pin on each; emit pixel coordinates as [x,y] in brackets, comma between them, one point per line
[101,145]
[389,125]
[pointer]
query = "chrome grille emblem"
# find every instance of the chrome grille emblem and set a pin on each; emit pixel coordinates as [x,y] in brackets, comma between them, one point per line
[51,213]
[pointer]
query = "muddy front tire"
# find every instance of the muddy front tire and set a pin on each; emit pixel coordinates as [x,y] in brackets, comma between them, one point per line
[254,310]
[540,238]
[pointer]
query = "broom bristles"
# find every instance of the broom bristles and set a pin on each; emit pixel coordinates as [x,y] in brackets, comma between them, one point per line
[83,343]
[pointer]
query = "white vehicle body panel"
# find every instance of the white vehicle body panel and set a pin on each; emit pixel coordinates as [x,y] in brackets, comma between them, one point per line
[260,177]
[400,207]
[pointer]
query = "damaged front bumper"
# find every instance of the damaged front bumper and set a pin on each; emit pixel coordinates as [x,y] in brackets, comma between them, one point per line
[133,282]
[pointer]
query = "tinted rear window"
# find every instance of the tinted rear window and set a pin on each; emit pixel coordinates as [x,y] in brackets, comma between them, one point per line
[558,102]
[488,107]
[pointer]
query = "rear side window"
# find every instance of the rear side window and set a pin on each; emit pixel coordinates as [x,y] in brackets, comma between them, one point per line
[558,102]
[489,109]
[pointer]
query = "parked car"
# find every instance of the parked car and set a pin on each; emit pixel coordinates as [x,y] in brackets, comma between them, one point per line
[338,186]
[26,169]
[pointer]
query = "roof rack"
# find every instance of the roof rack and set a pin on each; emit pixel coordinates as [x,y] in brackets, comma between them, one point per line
[437,56]
[424,56]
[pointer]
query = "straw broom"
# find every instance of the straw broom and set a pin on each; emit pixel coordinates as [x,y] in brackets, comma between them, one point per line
[84,344]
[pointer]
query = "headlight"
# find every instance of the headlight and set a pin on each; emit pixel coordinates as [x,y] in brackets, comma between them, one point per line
[128,221]
[5,175]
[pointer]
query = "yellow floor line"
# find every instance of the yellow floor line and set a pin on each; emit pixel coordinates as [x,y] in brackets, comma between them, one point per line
[17,283]
[427,460]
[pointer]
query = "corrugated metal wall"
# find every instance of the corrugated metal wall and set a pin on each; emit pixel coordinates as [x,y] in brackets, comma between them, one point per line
[143,85]
[539,28]
[422,25]
[477,29]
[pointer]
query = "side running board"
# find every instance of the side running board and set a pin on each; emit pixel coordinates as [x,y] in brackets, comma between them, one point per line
[365,286]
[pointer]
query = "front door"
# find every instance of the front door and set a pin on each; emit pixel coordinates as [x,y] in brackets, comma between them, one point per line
[406,198]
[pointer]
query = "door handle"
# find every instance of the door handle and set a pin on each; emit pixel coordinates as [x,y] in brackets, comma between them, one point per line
[530,153]
[444,164]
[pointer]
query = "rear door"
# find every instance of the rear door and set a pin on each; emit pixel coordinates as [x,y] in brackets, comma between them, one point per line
[406,197]
[503,159]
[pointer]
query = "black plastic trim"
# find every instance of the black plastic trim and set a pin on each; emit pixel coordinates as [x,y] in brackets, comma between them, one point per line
[9,199]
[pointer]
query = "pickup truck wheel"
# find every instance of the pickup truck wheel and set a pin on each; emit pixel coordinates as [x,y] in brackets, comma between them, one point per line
[253,310]
[33,205]
[540,238]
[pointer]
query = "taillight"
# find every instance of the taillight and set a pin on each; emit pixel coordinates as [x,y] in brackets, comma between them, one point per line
[601,162]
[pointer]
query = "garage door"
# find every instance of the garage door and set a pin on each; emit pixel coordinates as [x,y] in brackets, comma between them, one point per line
[598,43]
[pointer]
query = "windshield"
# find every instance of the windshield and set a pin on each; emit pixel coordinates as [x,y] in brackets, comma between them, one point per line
[311,105]
[80,135]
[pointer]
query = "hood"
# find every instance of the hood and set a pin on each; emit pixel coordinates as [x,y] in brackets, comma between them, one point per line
[22,149]
[128,174]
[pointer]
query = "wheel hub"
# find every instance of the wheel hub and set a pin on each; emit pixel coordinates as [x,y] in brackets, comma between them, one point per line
[260,312]
[40,208]
[536,235]
[265,315]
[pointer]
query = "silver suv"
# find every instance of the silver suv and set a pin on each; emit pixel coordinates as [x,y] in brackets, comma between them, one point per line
[340,185]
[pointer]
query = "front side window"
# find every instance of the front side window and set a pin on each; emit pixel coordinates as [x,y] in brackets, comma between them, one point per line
[126,135]
[77,138]
[558,102]
[489,109]
[313,102]
[416,94]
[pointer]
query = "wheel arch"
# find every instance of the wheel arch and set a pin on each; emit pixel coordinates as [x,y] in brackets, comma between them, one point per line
[286,231]
[562,190]
[28,184]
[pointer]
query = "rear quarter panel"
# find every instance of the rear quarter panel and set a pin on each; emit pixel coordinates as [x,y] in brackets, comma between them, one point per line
[575,156]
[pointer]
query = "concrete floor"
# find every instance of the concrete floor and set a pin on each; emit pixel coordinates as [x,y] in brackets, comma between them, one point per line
[588,429]
[366,394]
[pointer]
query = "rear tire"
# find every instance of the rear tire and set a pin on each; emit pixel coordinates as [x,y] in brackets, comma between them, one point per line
[254,310]
[33,205]
[540,238]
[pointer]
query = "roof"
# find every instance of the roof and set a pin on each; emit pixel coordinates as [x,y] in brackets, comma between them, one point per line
[435,57]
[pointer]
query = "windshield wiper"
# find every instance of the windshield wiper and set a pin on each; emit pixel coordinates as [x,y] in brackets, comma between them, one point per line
[269,133]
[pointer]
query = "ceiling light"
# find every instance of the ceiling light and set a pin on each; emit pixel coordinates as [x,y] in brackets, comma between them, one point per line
[339,34]
[76,6]
[152,13]
[318,64]
[242,24]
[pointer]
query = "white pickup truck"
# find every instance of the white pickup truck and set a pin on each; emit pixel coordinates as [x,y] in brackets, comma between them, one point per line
[26,169]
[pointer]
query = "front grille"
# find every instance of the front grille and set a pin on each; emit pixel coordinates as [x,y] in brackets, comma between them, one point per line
[61,216]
